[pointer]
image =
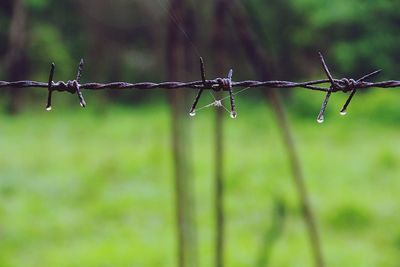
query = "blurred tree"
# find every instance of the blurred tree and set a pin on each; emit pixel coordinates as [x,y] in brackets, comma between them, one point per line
[360,35]
[5,14]
[184,191]
[219,43]
[257,57]
[272,233]
[133,31]
[16,59]
[274,22]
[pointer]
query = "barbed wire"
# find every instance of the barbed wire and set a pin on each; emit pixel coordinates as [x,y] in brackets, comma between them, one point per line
[344,85]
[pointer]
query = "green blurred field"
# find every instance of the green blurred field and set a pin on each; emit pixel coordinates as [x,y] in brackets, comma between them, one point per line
[95,187]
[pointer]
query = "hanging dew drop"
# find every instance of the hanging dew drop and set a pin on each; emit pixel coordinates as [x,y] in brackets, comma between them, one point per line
[48,108]
[320,119]
[193,113]
[343,112]
[233,115]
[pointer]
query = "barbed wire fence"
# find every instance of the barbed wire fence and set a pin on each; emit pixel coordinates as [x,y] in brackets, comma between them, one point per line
[329,86]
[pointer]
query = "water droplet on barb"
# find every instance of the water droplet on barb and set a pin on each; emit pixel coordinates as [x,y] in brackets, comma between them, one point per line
[48,108]
[343,112]
[320,119]
[193,113]
[233,115]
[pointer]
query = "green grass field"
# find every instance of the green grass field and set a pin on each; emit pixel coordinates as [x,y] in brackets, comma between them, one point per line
[95,187]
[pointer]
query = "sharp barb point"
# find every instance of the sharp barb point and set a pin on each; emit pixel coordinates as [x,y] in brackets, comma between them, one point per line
[231,95]
[369,75]
[80,69]
[202,72]
[230,74]
[327,72]
[49,87]
[344,109]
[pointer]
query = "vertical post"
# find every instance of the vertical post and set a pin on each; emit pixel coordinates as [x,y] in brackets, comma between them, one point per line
[16,60]
[184,197]
[219,45]
[190,199]
[260,63]
[173,57]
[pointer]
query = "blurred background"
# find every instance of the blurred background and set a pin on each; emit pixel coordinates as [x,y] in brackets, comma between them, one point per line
[133,180]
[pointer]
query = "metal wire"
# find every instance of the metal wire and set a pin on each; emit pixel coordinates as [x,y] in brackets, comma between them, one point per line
[218,84]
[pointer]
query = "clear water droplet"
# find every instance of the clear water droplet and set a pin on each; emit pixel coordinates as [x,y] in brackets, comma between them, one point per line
[193,113]
[233,115]
[82,104]
[320,119]
[343,112]
[48,108]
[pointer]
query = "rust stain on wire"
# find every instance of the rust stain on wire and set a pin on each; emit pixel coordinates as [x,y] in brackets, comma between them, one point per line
[225,84]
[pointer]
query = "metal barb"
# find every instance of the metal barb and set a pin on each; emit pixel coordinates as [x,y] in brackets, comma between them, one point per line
[49,85]
[232,99]
[80,69]
[203,72]
[327,72]
[192,111]
[365,77]
[333,87]
[77,84]
[343,111]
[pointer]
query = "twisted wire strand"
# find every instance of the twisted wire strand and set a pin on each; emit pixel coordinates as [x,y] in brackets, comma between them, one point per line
[329,86]
[62,86]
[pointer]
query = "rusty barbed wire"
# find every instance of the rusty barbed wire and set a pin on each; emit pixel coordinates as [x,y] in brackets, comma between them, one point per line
[344,85]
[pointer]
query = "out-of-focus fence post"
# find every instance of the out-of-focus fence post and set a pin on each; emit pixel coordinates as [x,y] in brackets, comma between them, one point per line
[184,197]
